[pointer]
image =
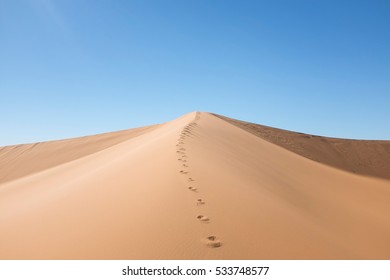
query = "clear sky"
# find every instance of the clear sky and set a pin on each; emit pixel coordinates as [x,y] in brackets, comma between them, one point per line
[79,67]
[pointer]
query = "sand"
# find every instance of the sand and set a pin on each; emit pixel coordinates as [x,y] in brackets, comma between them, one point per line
[198,187]
[365,157]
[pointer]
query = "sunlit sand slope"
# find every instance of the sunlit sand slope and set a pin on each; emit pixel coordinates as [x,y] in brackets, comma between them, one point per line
[21,160]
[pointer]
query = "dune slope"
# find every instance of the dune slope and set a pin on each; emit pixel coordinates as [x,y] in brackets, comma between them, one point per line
[21,160]
[366,157]
[197,187]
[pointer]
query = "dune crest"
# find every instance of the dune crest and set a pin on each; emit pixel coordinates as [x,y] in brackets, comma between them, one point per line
[21,160]
[198,187]
[365,157]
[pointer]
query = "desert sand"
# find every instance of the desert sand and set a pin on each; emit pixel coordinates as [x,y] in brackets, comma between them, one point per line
[202,186]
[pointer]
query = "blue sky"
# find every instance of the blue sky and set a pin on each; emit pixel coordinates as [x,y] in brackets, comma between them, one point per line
[78,67]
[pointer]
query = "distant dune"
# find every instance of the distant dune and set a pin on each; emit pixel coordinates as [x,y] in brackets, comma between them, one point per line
[202,186]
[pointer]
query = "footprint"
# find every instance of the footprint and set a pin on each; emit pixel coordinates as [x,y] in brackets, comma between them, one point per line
[193,189]
[183,172]
[203,218]
[213,242]
[200,201]
[190,179]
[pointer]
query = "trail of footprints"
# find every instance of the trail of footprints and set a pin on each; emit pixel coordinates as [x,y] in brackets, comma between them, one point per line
[211,241]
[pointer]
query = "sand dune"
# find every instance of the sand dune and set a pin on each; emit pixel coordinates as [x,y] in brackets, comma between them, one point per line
[366,157]
[198,187]
[21,160]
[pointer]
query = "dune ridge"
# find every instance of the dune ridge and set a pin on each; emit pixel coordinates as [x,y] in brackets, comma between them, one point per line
[365,157]
[198,187]
[20,160]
